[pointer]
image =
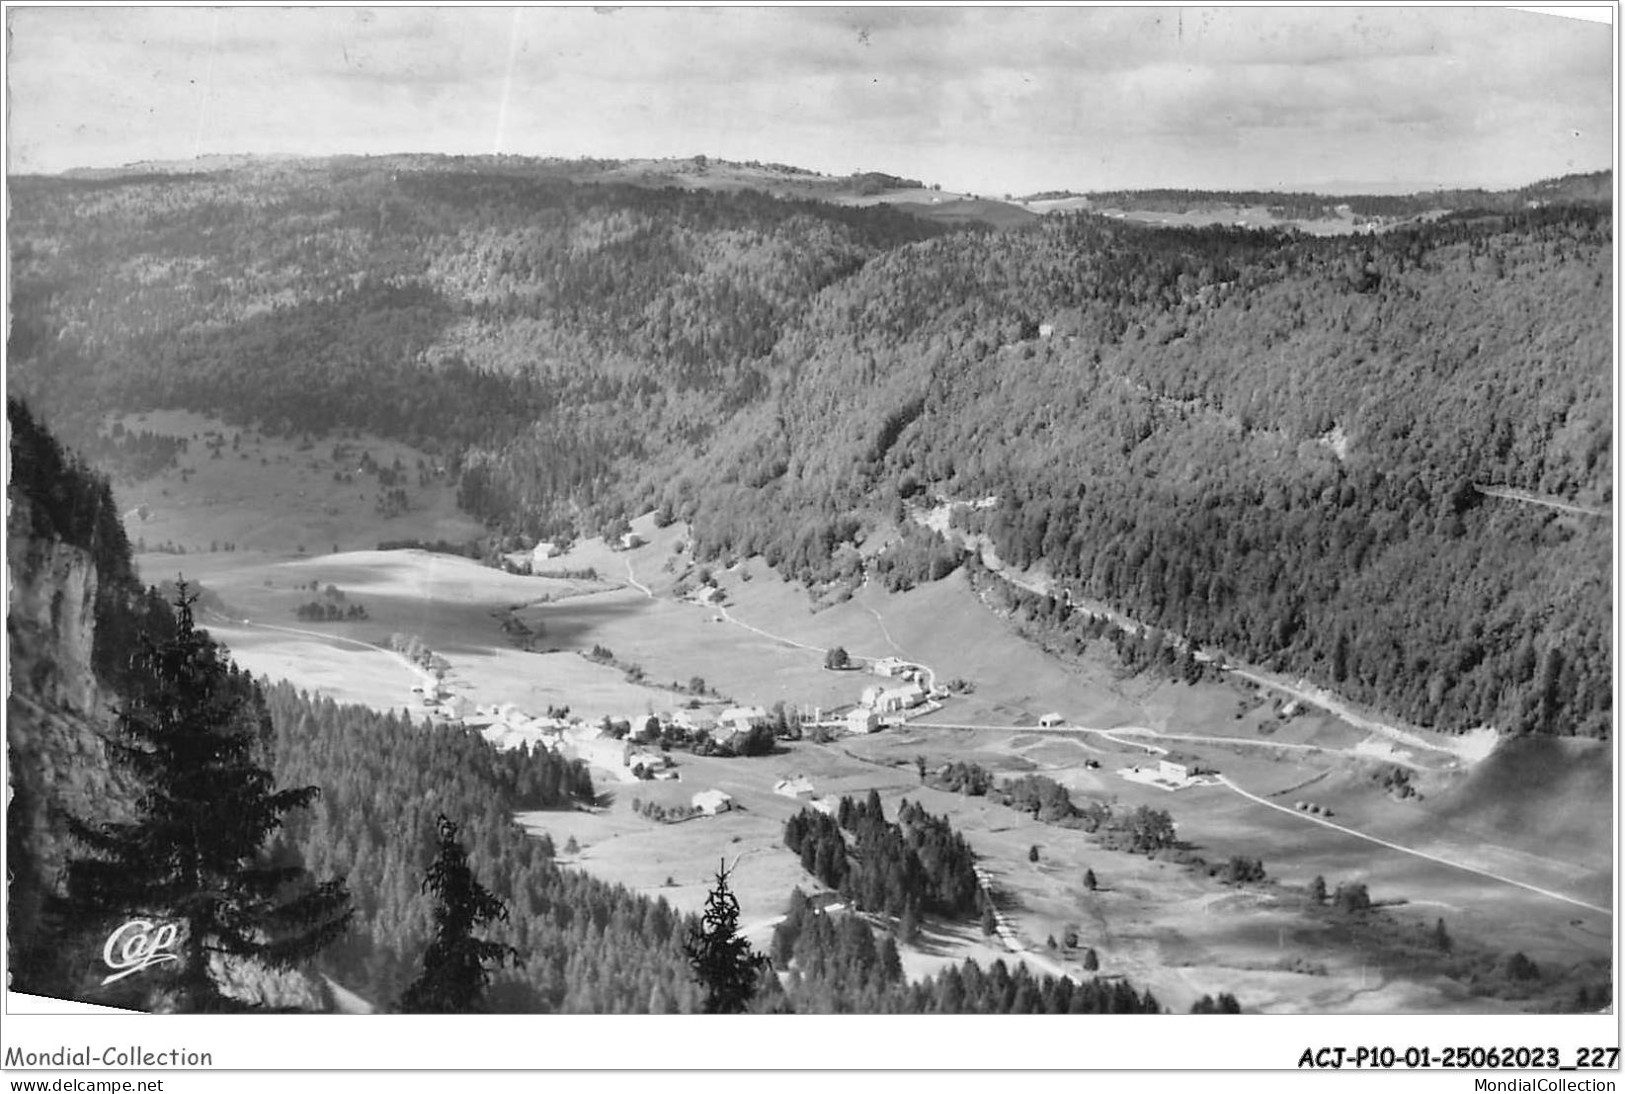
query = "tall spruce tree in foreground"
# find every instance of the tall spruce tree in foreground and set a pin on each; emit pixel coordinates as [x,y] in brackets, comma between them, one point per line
[456,965]
[193,734]
[726,965]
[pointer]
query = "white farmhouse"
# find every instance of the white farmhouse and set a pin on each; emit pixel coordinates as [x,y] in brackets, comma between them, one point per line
[862,720]
[650,761]
[712,802]
[798,787]
[692,722]
[742,719]
[891,700]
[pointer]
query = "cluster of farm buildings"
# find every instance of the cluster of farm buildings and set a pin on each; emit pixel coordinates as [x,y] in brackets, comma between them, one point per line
[1167,775]
[548,550]
[881,705]
[613,744]
[507,726]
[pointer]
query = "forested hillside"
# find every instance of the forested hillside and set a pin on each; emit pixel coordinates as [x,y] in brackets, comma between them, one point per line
[587,947]
[1269,443]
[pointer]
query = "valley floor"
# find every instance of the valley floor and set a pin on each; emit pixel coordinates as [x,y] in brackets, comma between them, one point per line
[1508,862]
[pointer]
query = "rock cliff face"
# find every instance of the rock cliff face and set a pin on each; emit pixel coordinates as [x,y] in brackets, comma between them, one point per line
[52,618]
[54,713]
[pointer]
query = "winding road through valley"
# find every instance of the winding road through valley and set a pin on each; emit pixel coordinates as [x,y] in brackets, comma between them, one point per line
[1119,734]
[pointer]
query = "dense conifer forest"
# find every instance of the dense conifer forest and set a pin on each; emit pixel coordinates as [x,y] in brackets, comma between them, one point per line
[1272,444]
[835,966]
[905,868]
[588,947]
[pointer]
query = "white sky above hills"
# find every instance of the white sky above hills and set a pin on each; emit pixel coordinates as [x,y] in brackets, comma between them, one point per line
[987,99]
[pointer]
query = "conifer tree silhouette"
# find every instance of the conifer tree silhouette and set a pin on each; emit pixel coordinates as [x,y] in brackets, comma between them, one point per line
[726,965]
[193,735]
[456,965]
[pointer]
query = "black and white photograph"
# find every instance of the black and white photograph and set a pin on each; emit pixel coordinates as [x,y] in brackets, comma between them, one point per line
[1099,512]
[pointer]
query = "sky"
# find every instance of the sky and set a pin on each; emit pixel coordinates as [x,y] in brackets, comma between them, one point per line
[985,99]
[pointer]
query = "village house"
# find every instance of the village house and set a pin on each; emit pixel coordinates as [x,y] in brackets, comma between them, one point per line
[692,722]
[862,720]
[732,738]
[639,723]
[649,761]
[631,540]
[550,730]
[892,700]
[798,787]
[742,719]
[502,737]
[890,666]
[581,732]
[1172,771]
[909,695]
[515,728]
[602,752]
[544,551]
[712,802]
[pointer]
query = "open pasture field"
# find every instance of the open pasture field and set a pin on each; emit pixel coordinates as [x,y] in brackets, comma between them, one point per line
[344,671]
[279,494]
[675,640]
[455,605]
[1176,708]
[1175,931]
[1162,925]
[943,626]
[1220,823]
[620,845]
[1251,216]
[1241,216]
